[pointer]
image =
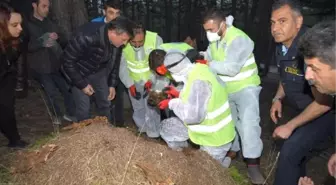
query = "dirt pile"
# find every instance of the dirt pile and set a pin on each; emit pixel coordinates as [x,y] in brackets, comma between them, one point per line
[100,154]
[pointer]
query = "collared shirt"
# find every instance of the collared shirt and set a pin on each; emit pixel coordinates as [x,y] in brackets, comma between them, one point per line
[284,50]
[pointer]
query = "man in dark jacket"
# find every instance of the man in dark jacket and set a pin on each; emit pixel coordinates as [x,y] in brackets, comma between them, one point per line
[44,50]
[314,123]
[91,65]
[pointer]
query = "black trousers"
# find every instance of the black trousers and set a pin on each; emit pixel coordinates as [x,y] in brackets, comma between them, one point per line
[117,105]
[295,150]
[7,107]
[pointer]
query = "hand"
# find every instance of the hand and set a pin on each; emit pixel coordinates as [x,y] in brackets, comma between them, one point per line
[88,90]
[283,131]
[132,90]
[53,36]
[276,111]
[171,91]
[134,93]
[112,93]
[332,165]
[148,85]
[202,62]
[164,104]
[305,181]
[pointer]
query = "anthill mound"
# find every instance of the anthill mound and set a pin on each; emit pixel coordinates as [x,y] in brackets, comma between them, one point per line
[99,154]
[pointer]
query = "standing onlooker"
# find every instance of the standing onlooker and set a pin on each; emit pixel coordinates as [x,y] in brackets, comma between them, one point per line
[90,64]
[111,11]
[10,29]
[44,51]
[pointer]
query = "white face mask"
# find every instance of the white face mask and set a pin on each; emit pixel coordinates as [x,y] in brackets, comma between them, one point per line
[136,49]
[212,37]
[178,78]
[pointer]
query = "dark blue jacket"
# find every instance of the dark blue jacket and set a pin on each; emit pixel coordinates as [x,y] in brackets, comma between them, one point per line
[291,67]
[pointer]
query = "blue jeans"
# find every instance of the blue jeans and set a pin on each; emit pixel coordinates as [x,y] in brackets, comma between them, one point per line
[99,83]
[52,84]
[291,165]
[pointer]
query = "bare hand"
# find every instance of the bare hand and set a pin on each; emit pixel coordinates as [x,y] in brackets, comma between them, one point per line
[88,90]
[112,94]
[332,165]
[283,131]
[305,181]
[53,36]
[276,111]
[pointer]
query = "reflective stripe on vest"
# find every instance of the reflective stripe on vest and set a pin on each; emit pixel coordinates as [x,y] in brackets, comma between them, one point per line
[248,75]
[213,115]
[139,70]
[217,128]
[243,74]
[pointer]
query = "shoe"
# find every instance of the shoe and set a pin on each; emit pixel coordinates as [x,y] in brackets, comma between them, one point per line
[226,162]
[69,118]
[19,144]
[254,173]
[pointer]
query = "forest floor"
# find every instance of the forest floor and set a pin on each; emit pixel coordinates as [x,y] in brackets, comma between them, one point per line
[35,126]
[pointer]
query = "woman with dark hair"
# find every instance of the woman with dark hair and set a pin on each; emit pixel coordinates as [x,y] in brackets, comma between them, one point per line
[10,30]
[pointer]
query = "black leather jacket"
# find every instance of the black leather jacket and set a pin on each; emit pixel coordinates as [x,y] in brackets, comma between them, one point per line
[11,65]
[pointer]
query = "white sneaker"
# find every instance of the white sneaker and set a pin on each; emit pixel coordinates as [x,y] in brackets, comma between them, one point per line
[226,162]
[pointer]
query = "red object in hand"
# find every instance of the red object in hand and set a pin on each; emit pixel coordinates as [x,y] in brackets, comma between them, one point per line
[172,91]
[148,85]
[202,61]
[132,90]
[164,104]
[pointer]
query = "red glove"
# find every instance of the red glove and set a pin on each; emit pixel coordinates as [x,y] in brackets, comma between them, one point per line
[202,62]
[148,85]
[164,104]
[171,91]
[132,90]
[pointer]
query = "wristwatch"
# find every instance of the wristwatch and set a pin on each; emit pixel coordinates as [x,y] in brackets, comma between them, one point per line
[276,99]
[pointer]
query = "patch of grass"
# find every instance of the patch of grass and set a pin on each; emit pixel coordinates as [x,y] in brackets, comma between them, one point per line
[239,178]
[5,176]
[42,141]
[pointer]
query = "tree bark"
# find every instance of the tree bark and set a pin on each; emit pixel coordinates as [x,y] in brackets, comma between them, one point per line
[148,15]
[265,45]
[234,7]
[133,10]
[168,18]
[69,14]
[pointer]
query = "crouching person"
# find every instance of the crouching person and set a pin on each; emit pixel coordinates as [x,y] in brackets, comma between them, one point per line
[202,106]
[135,75]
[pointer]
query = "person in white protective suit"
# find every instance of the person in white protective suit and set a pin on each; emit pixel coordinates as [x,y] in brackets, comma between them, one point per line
[136,76]
[202,109]
[230,55]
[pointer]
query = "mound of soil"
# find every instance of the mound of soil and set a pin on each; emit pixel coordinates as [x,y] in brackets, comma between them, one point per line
[101,154]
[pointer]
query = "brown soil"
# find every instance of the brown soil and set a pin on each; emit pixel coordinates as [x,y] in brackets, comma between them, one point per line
[100,154]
